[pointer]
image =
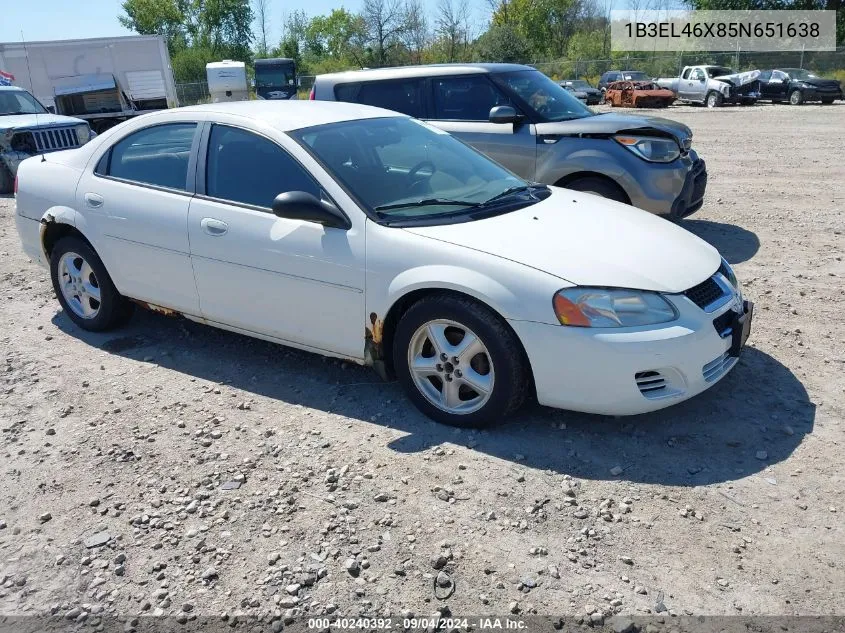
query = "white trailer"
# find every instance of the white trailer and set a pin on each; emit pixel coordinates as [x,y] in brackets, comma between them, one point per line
[101,80]
[227,81]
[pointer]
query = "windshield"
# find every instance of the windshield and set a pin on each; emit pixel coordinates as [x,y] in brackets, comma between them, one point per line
[718,71]
[636,75]
[274,77]
[544,97]
[798,73]
[401,168]
[19,102]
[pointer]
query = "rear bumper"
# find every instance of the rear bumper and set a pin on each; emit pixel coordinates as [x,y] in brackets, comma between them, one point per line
[691,197]
[29,233]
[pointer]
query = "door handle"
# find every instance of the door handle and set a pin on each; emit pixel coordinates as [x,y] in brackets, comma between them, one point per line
[214,227]
[94,200]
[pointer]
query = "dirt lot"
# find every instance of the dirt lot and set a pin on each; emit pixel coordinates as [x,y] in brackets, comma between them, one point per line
[351,502]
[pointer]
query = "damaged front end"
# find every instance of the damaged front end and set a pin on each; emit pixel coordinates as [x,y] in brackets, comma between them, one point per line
[15,147]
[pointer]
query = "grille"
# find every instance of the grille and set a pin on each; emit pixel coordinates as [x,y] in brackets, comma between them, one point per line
[705,293]
[718,367]
[56,139]
[650,383]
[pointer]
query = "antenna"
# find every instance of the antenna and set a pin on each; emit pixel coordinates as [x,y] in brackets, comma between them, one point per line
[31,87]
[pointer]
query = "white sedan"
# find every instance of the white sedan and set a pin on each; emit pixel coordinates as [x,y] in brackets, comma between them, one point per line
[358,233]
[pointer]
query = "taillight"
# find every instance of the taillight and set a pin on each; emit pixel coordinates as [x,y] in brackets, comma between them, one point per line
[311,96]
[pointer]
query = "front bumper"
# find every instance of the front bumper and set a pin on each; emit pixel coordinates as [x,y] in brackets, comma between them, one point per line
[818,95]
[691,197]
[637,370]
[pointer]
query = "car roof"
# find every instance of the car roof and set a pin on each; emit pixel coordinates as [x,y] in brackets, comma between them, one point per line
[12,89]
[293,115]
[425,70]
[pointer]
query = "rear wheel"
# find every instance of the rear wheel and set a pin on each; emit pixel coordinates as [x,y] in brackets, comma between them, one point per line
[459,362]
[796,97]
[714,99]
[7,181]
[600,187]
[84,288]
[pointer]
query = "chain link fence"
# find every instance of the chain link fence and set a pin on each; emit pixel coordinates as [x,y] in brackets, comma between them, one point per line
[828,63]
[192,93]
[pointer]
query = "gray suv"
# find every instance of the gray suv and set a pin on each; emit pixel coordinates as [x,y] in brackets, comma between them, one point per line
[522,119]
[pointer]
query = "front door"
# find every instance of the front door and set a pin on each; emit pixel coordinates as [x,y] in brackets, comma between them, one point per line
[136,203]
[292,280]
[462,107]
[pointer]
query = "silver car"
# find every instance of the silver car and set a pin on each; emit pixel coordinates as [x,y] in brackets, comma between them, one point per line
[519,117]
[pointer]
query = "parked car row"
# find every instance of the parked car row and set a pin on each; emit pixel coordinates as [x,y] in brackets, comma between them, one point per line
[300,222]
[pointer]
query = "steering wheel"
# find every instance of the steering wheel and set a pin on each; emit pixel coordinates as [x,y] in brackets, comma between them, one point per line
[414,177]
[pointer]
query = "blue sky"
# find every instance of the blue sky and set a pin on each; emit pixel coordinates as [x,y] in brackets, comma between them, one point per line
[62,19]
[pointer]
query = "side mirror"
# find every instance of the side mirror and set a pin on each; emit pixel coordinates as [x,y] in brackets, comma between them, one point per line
[299,205]
[504,114]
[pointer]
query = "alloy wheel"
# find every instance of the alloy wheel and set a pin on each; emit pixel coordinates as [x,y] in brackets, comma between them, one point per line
[79,285]
[451,366]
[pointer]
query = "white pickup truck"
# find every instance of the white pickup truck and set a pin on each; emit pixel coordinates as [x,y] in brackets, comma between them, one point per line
[714,85]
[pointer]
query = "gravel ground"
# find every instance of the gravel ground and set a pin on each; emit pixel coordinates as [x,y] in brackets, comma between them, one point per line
[170,468]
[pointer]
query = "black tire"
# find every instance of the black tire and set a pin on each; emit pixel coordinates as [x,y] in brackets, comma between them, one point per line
[511,381]
[600,187]
[713,99]
[113,309]
[796,97]
[7,181]
[827,101]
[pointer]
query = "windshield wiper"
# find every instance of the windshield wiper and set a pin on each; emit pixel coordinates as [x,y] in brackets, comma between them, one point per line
[512,190]
[428,202]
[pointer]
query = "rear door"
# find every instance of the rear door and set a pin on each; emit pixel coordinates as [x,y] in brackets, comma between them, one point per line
[136,200]
[461,106]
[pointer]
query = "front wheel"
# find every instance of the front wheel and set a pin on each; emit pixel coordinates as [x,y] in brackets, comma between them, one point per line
[714,99]
[796,97]
[459,362]
[84,288]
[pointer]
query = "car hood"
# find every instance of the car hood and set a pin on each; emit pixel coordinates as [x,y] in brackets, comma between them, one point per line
[818,82]
[613,123]
[24,121]
[739,79]
[589,241]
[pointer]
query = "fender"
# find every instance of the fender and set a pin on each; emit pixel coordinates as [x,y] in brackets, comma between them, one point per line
[463,280]
[66,215]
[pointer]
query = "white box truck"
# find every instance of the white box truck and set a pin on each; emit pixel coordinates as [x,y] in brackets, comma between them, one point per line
[227,81]
[103,80]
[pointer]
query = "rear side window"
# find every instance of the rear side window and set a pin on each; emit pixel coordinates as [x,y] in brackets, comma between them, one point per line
[403,95]
[466,98]
[156,155]
[250,169]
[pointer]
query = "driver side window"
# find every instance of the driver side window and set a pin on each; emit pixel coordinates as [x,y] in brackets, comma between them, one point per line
[466,98]
[697,75]
[245,168]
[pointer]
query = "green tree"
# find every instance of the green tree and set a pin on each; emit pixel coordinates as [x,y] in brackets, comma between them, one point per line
[502,43]
[156,17]
[340,37]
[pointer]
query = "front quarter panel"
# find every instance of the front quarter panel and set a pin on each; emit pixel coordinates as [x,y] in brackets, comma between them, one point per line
[400,262]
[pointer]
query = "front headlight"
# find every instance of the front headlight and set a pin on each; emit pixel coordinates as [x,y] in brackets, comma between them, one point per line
[650,148]
[611,307]
[728,272]
[84,134]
